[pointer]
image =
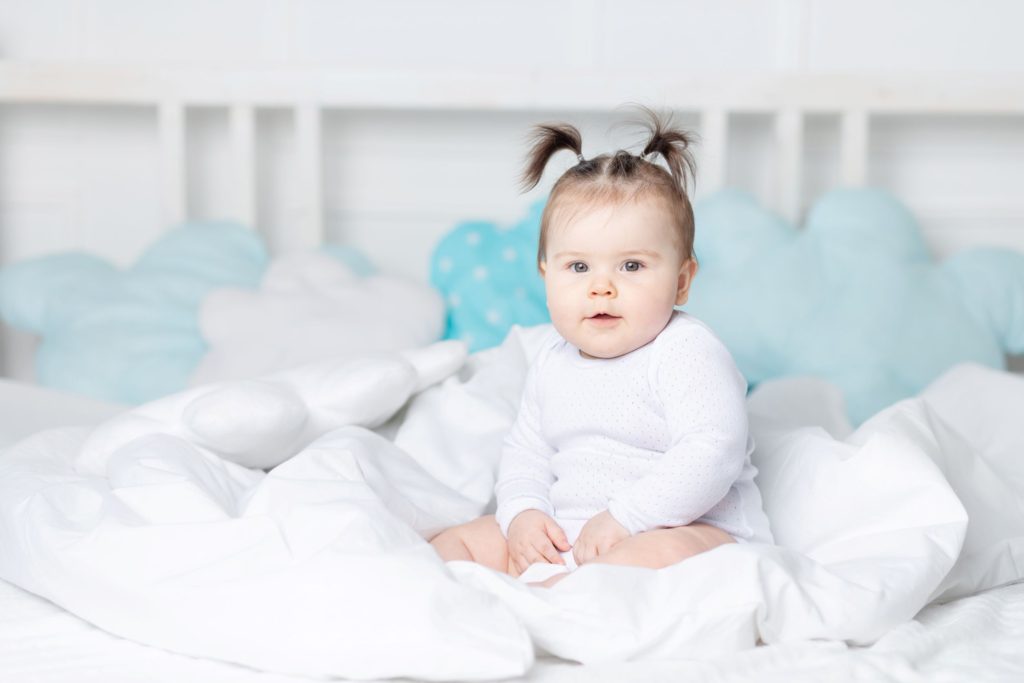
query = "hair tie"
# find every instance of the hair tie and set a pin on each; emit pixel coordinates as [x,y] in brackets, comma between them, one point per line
[641,156]
[580,158]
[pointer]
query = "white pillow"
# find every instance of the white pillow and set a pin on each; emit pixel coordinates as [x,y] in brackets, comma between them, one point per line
[309,307]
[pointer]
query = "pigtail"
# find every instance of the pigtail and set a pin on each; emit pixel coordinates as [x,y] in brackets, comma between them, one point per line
[673,144]
[547,139]
[618,177]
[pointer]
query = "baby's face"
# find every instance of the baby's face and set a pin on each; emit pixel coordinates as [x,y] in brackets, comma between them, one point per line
[613,275]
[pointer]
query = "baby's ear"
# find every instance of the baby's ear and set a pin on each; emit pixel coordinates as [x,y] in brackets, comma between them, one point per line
[542,267]
[686,274]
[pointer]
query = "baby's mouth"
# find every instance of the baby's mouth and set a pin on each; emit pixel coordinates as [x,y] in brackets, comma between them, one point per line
[603,317]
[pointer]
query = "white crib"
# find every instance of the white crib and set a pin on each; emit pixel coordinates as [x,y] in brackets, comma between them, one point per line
[717,106]
[820,134]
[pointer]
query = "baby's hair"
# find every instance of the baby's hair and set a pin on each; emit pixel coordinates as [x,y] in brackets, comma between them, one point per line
[619,177]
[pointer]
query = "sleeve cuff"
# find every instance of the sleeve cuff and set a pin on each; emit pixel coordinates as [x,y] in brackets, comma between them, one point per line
[508,510]
[632,523]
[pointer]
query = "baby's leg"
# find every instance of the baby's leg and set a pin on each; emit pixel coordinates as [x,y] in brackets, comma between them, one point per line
[662,547]
[478,541]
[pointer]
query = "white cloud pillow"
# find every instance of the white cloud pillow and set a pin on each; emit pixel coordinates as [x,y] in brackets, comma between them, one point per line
[310,306]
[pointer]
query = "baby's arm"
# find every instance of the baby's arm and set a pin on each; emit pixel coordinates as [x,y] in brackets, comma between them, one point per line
[524,511]
[524,473]
[704,398]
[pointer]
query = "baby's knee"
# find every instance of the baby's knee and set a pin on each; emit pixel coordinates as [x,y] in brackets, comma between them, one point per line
[669,546]
[680,546]
[488,524]
[687,541]
[481,526]
[479,540]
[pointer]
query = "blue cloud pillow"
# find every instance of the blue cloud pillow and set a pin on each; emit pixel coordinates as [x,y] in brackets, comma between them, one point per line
[854,297]
[127,335]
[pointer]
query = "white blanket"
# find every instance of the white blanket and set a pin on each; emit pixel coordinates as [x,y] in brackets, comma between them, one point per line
[148,529]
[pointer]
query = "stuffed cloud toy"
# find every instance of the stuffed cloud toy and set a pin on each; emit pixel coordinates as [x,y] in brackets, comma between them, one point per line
[127,335]
[205,303]
[854,298]
[310,306]
[488,275]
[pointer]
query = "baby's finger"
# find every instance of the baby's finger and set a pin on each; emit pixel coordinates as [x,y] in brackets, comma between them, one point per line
[550,554]
[581,552]
[557,535]
[529,554]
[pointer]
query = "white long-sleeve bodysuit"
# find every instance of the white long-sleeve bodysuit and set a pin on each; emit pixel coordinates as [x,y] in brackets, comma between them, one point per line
[658,437]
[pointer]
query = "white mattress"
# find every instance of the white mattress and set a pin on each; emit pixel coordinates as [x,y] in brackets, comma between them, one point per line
[977,638]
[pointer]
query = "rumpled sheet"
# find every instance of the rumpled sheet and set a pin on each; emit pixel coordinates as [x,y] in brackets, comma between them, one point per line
[149,528]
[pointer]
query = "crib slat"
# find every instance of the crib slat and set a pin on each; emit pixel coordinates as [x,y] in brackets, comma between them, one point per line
[714,148]
[310,229]
[853,155]
[171,123]
[789,136]
[243,141]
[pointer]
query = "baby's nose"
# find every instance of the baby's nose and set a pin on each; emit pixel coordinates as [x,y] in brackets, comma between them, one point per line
[601,287]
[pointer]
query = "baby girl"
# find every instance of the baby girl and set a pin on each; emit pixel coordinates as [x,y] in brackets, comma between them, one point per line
[631,444]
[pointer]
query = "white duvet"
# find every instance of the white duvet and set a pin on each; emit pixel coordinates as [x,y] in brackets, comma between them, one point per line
[151,527]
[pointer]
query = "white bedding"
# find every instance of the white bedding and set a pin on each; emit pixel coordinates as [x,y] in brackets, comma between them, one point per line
[972,639]
[318,567]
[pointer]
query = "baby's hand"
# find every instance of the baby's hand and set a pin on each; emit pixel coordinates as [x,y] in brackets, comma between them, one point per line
[599,535]
[534,537]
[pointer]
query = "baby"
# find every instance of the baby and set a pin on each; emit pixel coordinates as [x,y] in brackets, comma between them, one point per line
[631,444]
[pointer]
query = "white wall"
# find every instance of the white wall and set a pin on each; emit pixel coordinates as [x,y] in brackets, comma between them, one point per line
[81,177]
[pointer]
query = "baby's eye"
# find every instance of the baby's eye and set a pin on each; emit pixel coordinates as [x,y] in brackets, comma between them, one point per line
[578,267]
[632,266]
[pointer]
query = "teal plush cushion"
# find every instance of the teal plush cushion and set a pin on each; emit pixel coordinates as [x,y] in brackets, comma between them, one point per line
[488,276]
[855,297]
[127,335]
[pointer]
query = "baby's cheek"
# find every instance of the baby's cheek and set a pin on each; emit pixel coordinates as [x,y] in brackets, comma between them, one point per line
[562,319]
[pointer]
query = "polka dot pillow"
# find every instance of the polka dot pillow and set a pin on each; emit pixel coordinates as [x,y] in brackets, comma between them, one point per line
[488,275]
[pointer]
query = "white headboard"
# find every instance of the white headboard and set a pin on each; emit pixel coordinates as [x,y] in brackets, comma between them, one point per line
[308,93]
[713,102]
